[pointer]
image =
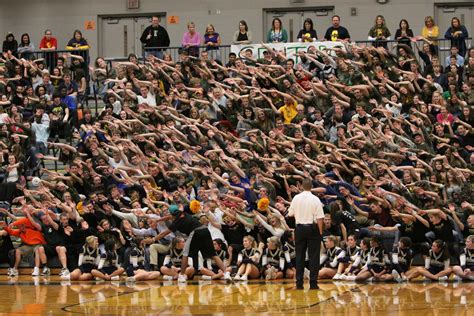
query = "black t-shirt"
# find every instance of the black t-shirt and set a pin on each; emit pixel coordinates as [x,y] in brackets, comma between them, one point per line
[184,223]
[415,231]
[333,34]
[443,230]
[467,231]
[303,32]
[348,220]
[53,237]
[234,234]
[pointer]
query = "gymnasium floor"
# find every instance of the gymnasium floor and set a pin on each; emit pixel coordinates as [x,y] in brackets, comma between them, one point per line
[49,296]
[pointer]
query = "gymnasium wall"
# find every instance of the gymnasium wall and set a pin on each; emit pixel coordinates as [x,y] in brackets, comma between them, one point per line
[63,16]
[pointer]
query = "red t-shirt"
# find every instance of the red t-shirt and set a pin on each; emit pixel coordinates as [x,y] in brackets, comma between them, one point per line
[45,43]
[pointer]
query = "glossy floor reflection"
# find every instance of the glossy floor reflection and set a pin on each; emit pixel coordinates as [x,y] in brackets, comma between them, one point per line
[50,296]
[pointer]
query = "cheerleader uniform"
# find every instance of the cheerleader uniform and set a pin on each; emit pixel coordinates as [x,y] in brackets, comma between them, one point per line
[173,259]
[137,261]
[467,259]
[274,258]
[88,259]
[401,260]
[289,252]
[376,260]
[245,256]
[210,263]
[434,263]
[108,262]
[332,257]
[361,260]
[351,254]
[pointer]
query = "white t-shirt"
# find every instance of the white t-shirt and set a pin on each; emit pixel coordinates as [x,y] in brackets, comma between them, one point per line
[150,99]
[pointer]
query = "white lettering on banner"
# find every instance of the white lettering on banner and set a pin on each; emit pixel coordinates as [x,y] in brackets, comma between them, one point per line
[291,49]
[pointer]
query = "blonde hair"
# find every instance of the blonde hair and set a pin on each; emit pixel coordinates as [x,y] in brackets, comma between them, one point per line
[274,240]
[251,240]
[334,239]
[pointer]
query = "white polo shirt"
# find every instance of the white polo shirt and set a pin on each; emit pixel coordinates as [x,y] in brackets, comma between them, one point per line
[306,208]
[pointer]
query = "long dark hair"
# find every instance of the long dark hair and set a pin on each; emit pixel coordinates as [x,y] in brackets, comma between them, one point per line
[459,23]
[400,24]
[244,24]
[109,247]
[273,23]
[310,23]
[443,248]
[21,39]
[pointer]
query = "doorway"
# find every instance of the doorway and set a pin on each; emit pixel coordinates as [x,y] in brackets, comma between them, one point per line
[120,35]
[292,20]
[445,12]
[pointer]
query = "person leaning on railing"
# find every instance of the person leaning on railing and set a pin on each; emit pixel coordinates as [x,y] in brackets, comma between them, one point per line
[243,35]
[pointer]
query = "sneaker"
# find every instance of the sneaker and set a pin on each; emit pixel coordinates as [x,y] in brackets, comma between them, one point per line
[457,278]
[396,276]
[46,271]
[115,278]
[350,277]
[65,277]
[227,276]
[182,278]
[64,272]
[268,274]
[443,279]
[36,271]
[370,279]
[206,277]
[243,278]
[343,277]
[12,272]
[237,277]
[167,278]
[130,279]
[337,276]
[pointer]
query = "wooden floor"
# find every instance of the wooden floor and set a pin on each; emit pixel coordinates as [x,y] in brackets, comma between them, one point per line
[50,296]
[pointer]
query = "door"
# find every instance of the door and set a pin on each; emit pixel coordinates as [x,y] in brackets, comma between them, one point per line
[444,14]
[120,36]
[293,21]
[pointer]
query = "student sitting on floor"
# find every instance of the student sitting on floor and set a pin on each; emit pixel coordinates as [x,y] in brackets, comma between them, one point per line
[436,264]
[465,271]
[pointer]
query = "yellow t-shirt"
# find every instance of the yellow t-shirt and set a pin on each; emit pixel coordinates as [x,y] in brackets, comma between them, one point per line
[430,33]
[289,112]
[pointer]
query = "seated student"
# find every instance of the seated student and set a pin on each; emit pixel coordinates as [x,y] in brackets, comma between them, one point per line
[108,268]
[436,264]
[401,261]
[331,259]
[374,269]
[172,265]
[465,271]
[351,254]
[88,260]
[248,260]
[136,268]
[209,269]
[273,260]
[289,251]
[360,260]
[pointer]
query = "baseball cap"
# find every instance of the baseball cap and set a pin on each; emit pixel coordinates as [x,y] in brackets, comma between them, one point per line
[174,209]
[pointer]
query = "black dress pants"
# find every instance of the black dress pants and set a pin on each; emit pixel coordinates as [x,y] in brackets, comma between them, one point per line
[307,238]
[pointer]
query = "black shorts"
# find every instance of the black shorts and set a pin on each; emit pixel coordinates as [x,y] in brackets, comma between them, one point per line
[50,250]
[275,265]
[215,269]
[87,267]
[199,240]
[435,270]
[108,270]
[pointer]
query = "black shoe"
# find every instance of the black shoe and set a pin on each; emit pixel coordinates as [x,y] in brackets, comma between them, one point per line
[314,287]
[299,287]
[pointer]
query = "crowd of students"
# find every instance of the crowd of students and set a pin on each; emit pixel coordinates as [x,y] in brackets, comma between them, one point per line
[192,164]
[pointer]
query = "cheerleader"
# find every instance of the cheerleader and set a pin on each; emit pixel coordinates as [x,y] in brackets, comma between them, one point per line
[352,252]
[88,260]
[172,264]
[360,260]
[108,268]
[273,260]
[289,251]
[136,268]
[436,264]
[248,260]
[209,269]
[401,261]
[466,270]
[331,260]
[376,261]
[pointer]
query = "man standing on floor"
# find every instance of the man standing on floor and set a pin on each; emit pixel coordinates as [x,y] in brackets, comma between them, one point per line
[308,212]
[155,36]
